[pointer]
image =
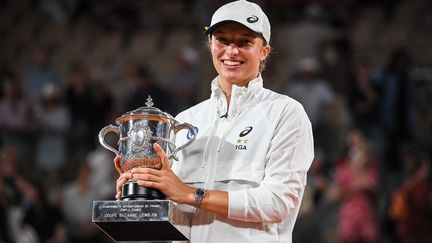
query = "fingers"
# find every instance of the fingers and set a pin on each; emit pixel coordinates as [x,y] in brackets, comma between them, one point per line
[162,155]
[146,177]
[118,196]
[151,184]
[117,160]
[120,182]
[141,170]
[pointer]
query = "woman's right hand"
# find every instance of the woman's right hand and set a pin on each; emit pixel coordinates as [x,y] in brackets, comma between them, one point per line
[123,178]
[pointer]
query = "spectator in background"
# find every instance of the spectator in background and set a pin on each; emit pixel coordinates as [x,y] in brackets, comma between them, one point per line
[15,110]
[336,56]
[9,195]
[332,131]
[123,86]
[38,213]
[411,204]
[363,100]
[313,93]
[145,85]
[306,37]
[102,176]
[61,11]
[185,81]
[6,73]
[53,121]
[357,179]
[30,216]
[102,110]
[9,173]
[16,119]
[4,229]
[79,101]
[115,17]
[310,90]
[397,107]
[77,208]
[150,16]
[40,73]
[317,212]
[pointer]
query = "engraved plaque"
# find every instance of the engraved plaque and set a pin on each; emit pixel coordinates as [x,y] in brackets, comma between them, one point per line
[139,220]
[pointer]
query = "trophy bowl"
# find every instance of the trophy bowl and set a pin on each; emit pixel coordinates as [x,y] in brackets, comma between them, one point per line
[138,130]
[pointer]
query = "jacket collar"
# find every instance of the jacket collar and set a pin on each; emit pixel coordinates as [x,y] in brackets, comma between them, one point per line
[240,95]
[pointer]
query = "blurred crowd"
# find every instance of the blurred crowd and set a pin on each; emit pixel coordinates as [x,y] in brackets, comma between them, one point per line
[371,114]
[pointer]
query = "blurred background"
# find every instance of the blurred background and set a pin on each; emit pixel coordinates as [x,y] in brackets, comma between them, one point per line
[361,68]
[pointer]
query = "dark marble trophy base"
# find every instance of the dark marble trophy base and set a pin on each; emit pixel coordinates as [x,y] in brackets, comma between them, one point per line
[133,191]
[141,220]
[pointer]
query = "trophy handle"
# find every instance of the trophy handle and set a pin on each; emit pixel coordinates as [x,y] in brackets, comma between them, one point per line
[181,127]
[105,131]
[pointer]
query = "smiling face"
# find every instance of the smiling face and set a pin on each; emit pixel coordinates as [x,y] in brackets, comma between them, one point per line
[237,53]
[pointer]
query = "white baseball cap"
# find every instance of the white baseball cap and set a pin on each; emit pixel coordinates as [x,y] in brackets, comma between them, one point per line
[245,13]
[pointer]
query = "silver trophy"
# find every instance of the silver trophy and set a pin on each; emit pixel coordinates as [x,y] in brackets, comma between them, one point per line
[142,210]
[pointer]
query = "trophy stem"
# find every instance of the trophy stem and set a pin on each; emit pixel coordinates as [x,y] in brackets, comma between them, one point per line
[132,191]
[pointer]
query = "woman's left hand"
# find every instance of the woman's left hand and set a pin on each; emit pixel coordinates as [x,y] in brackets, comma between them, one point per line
[164,180]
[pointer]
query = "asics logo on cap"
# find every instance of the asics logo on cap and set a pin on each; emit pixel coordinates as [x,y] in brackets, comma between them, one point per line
[252,19]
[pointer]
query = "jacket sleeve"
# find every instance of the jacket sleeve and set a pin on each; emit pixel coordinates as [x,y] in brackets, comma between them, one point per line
[289,157]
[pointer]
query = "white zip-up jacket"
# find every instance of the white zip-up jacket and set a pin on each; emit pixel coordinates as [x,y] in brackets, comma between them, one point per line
[259,152]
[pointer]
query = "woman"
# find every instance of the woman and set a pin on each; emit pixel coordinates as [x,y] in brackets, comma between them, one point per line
[245,174]
[357,178]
